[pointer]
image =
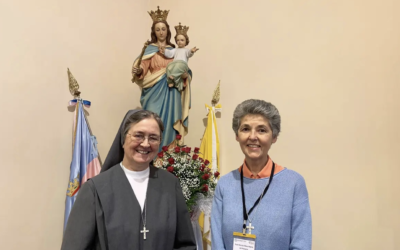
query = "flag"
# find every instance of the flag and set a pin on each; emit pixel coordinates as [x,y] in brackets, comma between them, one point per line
[85,157]
[210,149]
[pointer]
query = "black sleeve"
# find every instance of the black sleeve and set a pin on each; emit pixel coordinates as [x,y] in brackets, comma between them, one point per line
[80,232]
[184,237]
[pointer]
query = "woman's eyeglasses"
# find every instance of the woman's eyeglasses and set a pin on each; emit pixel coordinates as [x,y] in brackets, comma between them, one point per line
[139,138]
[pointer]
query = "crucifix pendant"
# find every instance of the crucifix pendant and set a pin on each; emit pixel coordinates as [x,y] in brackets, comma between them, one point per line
[250,228]
[144,231]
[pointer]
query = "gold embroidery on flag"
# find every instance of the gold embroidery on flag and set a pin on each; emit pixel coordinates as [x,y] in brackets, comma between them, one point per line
[73,186]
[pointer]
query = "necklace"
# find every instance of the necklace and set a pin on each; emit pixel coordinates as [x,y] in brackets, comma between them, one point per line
[144,231]
[245,213]
[250,227]
[143,213]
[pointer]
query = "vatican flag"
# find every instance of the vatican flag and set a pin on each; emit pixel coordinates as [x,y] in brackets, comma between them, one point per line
[210,149]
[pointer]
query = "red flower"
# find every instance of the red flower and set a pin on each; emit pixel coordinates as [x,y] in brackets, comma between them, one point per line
[205,188]
[205,176]
[161,154]
[206,162]
[177,149]
[189,149]
[165,148]
[171,160]
[194,157]
[178,137]
[201,159]
[202,168]
[196,150]
[216,174]
[170,169]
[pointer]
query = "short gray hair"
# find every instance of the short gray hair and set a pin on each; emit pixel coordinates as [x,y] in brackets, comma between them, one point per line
[136,118]
[257,107]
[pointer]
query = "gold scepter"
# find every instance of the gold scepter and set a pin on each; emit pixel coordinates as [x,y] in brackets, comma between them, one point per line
[140,59]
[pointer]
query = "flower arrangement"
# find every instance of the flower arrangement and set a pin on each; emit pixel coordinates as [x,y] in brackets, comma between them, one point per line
[196,179]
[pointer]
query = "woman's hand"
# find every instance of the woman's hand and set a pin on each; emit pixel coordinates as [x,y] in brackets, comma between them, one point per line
[137,71]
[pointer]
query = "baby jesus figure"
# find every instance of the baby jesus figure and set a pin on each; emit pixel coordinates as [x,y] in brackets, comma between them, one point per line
[181,56]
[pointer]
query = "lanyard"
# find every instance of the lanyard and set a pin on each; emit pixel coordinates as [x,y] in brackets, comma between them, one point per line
[245,214]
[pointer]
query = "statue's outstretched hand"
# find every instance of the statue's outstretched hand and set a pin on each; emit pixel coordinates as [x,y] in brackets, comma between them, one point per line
[194,50]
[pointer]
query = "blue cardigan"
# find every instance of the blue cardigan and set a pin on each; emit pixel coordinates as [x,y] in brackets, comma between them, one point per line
[282,220]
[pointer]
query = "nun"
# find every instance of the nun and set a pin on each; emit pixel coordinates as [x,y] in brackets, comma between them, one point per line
[131,204]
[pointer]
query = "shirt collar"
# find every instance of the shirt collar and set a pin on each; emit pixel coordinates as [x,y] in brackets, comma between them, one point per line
[264,173]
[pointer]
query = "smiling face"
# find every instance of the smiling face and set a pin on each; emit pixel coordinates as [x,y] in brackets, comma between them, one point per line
[138,155]
[255,138]
[181,41]
[161,31]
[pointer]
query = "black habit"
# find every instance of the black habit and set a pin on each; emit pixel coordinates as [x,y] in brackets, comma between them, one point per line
[107,216]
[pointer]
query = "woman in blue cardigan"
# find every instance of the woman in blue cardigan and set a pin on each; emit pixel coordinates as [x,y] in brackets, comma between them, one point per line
[260,205]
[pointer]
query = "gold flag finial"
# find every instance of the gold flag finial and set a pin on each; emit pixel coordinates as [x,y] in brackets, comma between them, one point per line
[216,95]
[73,85]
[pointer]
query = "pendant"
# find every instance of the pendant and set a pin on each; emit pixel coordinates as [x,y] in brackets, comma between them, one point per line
[144,231]
[249,227]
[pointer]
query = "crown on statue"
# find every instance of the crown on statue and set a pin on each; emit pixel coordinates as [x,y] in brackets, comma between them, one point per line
[181,30]
[159,15]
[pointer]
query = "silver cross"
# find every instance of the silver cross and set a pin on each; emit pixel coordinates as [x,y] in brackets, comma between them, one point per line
[144,231]
[249,227]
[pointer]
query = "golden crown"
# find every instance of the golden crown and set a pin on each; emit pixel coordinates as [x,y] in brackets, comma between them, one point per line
[181,30]
[159,15]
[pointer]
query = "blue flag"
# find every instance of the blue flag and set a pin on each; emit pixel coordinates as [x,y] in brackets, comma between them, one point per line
[85,159]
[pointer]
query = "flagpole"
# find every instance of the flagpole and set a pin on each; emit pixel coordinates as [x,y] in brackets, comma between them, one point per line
[85,162]
[210,149]
[74,90]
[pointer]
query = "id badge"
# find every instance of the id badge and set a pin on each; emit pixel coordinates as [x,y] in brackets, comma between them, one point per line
[243,241]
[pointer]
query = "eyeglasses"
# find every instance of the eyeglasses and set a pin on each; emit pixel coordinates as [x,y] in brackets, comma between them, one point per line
[139,138]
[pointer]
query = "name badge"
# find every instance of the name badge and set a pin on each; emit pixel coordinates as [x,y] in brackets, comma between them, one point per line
[243,241]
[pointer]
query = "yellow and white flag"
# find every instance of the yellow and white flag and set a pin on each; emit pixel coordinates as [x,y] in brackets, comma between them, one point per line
[210,149]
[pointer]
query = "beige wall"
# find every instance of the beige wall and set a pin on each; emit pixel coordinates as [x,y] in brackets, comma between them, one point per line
[331,68]
[98,41]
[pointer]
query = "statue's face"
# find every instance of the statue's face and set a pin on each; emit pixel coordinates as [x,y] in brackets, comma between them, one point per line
[161,31]
[181,41]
